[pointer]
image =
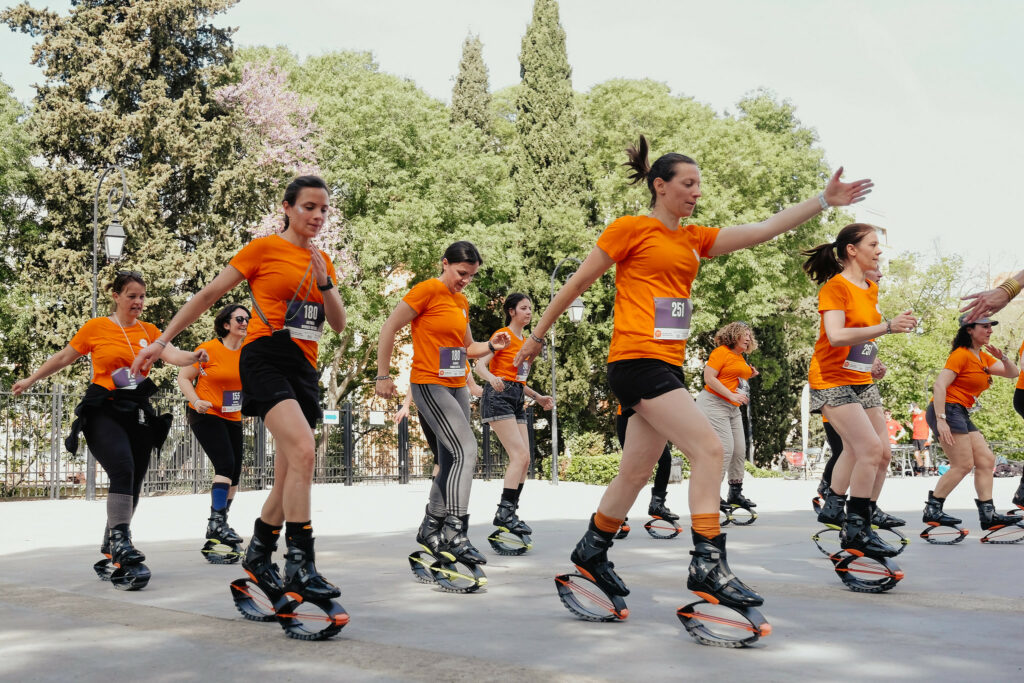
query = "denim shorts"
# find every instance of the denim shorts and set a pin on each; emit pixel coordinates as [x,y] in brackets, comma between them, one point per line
[956,417]
[503,405]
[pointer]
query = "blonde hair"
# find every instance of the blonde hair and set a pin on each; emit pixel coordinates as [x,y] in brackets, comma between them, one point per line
[731,333]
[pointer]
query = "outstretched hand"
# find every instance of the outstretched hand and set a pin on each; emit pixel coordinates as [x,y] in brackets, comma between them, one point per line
[838,193]
[501,340]
[983,304]
[528,351]
[145,358]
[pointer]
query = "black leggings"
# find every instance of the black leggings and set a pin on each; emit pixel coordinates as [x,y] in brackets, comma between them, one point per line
[664,462]
[222,441]
[835,444]
[1018,401]
[122,447]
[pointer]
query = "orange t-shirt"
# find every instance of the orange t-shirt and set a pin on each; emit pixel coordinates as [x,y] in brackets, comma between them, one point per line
[920,423]
[277,271]
[655,268]
[837,366]
[731,366]
[894,428]
[1020,377]
[221,384]
[501,365]
[113,349]
[972,376]
[438,334]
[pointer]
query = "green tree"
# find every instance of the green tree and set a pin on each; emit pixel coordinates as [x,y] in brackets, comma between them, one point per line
[471,98]
[131,83]
[17,228]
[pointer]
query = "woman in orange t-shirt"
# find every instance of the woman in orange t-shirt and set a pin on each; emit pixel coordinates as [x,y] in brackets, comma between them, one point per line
[503,408]
[120,425]
[214,391]
[841,377]
[656,259]
[726,388]
[968,372]
[438,312]
[294,294]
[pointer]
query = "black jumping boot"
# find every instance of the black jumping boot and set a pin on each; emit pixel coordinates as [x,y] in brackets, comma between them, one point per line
[933,512]
[988,518]
[884,520]
[1018,498]
[257,564]
[857,535]
[429,533]
[591,557]
[736,497]
[833,509]
[300,574]
[506,517]
[710,575]
[456,544]
[217,528]
[657,508]
[122,552]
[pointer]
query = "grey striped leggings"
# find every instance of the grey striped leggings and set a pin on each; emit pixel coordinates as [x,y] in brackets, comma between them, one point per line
[446,411]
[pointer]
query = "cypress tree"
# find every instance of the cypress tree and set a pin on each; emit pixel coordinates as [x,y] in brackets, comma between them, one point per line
[471,98]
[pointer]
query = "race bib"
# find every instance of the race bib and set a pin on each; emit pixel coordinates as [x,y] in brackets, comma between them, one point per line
[231,402]
[524,371]
[305,320]
[861,357]
[124,379]
[672,318]
[452,362]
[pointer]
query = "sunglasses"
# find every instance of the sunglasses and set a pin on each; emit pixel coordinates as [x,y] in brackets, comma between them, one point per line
[240,319]
[129,273]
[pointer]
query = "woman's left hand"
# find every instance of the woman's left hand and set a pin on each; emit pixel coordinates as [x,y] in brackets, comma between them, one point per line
[546,402]
[995,352]
[501,340]
[319,267]
[838,193]
[754,372]
[878,369]
[528,351]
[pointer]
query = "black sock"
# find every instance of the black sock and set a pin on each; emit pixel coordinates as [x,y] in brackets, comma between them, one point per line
[267,534]
[859,506]
[519,492]
[511,495]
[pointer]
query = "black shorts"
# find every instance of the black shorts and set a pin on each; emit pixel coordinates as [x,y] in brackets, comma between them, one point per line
[635,379]
[274,369]
[919,444]
[956,417]
[504,405]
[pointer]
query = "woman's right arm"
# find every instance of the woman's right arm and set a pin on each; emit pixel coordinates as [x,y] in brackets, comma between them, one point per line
[54,363]
[225,281]
[593,267]
[399,318]
[483,368]
[840,335]
[942,382]
[186,376]
[711,379]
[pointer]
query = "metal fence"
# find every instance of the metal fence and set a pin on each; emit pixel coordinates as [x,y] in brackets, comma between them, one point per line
[365,446]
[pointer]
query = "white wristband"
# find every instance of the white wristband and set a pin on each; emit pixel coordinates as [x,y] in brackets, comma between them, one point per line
[821,200]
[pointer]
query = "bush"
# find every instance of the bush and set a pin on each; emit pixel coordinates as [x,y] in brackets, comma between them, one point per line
[760,472]
[589,469]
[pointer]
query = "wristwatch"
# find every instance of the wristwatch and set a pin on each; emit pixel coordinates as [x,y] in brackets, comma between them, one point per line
[941,416]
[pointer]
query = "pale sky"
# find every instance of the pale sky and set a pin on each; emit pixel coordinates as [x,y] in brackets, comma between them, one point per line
[926,97]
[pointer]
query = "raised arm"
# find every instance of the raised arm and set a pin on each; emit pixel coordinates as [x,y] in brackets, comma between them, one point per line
[991,301]
[334,307]
[54,363]
[837,193]
[593,267]
[1006,366]
[225,281]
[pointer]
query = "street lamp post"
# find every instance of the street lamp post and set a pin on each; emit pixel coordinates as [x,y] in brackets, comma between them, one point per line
[576,310]
[113,245]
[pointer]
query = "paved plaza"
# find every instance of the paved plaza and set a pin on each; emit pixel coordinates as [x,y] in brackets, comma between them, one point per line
[955,617]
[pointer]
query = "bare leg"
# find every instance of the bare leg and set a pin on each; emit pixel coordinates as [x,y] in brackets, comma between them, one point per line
[293,464]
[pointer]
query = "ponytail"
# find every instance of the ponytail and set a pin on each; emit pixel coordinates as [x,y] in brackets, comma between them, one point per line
[664,167]
[825,261]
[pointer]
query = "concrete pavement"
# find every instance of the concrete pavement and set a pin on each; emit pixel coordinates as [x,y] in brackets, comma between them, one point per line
[954,617]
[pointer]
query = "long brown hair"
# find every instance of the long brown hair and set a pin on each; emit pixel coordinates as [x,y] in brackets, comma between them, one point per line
[825,261]
[664,167]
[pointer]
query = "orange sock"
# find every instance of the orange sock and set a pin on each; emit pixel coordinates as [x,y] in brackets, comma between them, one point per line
[608,524]
[706,525]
